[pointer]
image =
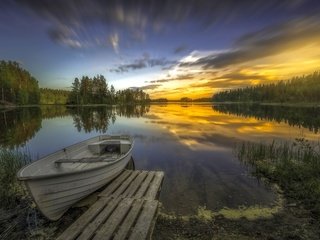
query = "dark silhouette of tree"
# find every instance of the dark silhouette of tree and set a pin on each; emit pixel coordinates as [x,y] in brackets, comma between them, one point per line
[96,91]
[17,86]
[298,89]
[112,94]
[185,99]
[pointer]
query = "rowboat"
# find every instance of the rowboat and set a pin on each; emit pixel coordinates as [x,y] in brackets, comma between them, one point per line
[61,179]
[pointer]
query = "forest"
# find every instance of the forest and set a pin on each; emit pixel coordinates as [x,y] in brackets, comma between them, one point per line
[17,86]
[96,91]
[53,96]
[302,89]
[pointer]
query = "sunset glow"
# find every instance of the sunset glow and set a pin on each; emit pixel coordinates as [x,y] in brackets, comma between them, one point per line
[167,50]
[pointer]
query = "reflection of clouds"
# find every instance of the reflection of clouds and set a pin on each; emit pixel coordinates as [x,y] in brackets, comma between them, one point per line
[151,116]
[203,145]
[200,127]
[194,147]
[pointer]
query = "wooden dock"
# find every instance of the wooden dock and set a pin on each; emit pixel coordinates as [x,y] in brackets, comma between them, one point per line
[125,209]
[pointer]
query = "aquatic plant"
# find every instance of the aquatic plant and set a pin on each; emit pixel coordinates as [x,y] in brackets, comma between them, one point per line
[11,190]
[294,166]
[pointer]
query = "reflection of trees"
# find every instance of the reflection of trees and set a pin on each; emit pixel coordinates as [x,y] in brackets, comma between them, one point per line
[307,117]
[98,118]
[53,111]
[19,125]
[132,110]
[91,118]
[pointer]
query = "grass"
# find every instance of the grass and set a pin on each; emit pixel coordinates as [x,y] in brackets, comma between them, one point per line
[294,166]
[11,190]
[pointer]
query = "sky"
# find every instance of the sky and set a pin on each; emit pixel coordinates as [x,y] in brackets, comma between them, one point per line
[170,49]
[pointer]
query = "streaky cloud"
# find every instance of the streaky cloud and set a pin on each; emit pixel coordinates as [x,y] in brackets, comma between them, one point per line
[149,87]
[178,78]
[269,41]
[137,19]
[180,49]
[144,62]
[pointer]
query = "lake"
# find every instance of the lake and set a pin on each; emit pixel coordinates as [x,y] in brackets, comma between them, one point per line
[194,144]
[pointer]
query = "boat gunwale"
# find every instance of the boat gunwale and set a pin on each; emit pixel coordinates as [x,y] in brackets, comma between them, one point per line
[52,175]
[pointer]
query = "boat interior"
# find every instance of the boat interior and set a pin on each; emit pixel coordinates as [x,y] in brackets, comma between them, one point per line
[103,147]
[85,155]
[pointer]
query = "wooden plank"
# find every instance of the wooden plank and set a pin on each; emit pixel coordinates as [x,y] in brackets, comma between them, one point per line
[115,183]
[135,184]
[114,217]
[90,229]
[154,186]
[75,229]
[144,185]
[142,228]
[125,184]
[107,229]
[129,221]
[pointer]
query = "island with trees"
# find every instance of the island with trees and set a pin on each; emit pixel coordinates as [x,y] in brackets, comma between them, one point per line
[96,91]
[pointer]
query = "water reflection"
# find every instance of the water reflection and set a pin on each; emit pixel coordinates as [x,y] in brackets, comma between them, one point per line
[192,144]
[18,126]
[92,119]
[49,111]
[99,118]
[307,117]
[21,124]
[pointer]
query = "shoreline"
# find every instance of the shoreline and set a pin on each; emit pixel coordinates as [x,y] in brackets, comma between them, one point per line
[315,105]
[294,220]
[285,218]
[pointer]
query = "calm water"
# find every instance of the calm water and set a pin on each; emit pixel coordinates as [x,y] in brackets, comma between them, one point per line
[192,144]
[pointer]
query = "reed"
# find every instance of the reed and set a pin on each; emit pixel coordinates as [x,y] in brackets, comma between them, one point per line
[294,166]
[11,190]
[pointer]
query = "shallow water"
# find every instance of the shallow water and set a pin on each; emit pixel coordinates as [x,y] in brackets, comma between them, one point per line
[193,144]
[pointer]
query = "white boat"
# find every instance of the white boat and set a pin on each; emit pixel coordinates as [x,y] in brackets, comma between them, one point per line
[59,180]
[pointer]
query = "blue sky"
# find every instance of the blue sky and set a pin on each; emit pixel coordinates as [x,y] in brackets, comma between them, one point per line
[168,48]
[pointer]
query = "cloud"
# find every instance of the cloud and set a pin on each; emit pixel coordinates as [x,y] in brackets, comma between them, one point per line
[65,36]
[114,41]
[137,18]
[270,41]
[150,87]
[143,62]
[240,76]
[234,79]
[180,49]
[178,78]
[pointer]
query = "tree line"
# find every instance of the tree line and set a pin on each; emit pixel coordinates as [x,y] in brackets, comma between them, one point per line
[17,86]
[304,88]
[96,91]
[53,96]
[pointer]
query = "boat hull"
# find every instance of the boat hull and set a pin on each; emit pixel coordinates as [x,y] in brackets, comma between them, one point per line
[59,180]
[55,195]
